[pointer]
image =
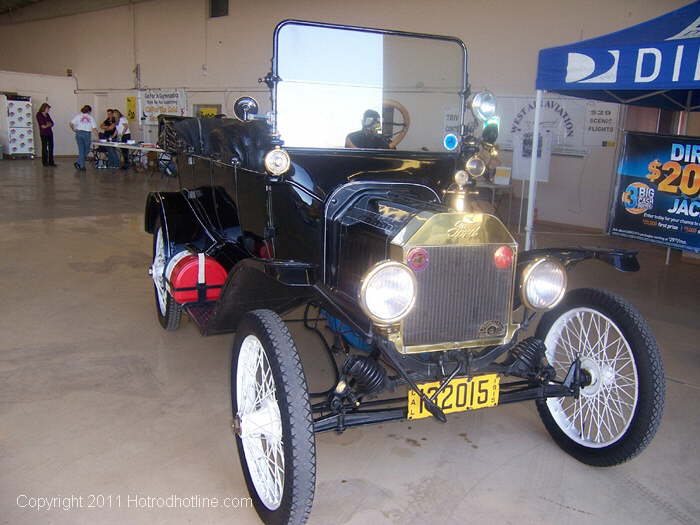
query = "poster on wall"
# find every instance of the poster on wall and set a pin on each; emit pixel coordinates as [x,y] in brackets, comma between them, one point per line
[156,102]
[522,155]
[206,110]
[452,121]
[656,197]
[600,127]
[131,108]
[575,124]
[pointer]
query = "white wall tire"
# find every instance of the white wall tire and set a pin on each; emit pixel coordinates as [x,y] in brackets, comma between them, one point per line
[168,311]
[272,420]
[617,414]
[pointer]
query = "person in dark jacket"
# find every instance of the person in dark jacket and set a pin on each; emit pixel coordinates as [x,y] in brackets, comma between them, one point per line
[108,126]
[369,136]
[46,134]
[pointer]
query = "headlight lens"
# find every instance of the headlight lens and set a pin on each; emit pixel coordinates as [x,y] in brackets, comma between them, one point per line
[388,292]
[544,284]
[484,105]
[475,166]
[277,161]
[461,178]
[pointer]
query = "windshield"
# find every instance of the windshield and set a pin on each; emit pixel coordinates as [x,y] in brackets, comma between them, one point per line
[355,88]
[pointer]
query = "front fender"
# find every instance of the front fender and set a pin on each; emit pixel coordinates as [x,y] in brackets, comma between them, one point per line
[622,260]
[256,283]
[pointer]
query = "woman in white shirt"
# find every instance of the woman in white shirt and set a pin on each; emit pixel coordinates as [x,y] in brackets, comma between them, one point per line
[83,124]
[123,134]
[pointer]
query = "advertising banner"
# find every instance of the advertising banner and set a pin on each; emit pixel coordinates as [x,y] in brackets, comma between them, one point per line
[162,101]
[656,197]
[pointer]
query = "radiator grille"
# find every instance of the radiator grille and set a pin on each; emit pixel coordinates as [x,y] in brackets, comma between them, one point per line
[460,294]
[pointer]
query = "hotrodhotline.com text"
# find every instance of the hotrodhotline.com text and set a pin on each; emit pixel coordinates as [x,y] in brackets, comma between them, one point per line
[128,501]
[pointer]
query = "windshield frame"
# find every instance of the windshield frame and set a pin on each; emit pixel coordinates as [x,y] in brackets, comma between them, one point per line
[274,77]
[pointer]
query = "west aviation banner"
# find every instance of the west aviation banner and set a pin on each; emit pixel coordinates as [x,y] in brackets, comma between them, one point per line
[657,196]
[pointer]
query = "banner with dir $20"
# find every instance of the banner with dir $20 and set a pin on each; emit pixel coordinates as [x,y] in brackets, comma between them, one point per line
[657,193]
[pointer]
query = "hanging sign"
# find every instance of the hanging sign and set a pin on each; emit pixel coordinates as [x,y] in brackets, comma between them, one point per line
[162,102]
[657,196]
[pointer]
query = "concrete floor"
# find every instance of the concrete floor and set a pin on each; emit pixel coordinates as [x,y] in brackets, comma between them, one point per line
[96,399]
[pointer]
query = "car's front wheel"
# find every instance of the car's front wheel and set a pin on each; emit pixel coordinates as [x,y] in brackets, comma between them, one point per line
[619,410]
[272,419]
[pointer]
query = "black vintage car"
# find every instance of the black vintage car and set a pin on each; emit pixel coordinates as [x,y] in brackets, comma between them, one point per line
[354,198]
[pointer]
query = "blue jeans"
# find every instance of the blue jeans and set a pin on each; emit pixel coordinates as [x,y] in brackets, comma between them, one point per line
[83,140]
[112,158]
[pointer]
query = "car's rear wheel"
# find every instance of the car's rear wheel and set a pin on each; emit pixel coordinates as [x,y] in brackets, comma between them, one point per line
[169,312]
[272,420]
[617,414]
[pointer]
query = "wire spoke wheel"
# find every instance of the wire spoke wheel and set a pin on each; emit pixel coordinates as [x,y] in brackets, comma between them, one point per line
[260,422]
[272,419]
[604,410]
[619,408]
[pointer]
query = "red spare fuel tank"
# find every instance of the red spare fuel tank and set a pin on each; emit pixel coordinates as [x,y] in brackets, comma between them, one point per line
[186,271]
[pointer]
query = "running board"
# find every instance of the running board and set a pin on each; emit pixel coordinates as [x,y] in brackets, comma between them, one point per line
[201,314]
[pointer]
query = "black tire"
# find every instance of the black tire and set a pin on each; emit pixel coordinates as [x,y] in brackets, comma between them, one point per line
[646,416]
[299,443]
[170,319]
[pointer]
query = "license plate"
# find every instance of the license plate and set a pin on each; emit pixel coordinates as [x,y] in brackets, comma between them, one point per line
[459,395]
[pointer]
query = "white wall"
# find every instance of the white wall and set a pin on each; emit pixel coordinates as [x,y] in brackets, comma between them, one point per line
[59,92]
[176,45]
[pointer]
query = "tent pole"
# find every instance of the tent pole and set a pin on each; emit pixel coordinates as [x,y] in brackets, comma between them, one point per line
[681,129]
[532,188]
[621,123]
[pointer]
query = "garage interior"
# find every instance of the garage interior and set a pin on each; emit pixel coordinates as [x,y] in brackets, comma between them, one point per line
[95,398]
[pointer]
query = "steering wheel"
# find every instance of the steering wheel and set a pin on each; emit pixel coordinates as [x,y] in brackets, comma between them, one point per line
[393,129]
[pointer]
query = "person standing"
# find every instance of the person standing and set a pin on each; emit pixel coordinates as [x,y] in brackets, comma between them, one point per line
[123,134]
[46,134]
[83,124]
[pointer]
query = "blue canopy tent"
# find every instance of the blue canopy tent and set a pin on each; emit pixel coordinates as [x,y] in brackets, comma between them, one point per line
[655,63]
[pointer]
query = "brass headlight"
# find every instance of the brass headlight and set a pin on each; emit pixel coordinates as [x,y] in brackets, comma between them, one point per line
[483,105]
[543,284]
[475,166]
[388,292]
[277,161]
[461,178]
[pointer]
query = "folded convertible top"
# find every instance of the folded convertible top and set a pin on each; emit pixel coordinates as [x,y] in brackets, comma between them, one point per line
[226,140]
